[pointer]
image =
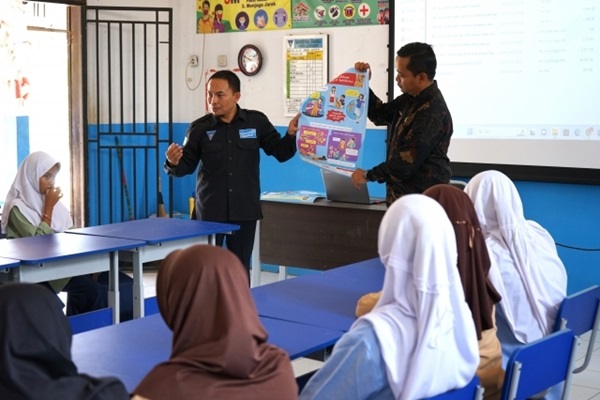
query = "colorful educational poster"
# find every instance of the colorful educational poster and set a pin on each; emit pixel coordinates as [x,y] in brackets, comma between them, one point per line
[334,13]
[333,123]
[219,16]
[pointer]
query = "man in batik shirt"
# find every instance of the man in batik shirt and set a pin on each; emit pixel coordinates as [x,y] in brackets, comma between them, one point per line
[420,127]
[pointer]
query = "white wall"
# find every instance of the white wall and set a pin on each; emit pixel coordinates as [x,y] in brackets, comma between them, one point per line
[264,91]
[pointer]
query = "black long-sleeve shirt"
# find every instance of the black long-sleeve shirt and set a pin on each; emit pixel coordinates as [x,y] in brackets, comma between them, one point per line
[420,131]
[228,183]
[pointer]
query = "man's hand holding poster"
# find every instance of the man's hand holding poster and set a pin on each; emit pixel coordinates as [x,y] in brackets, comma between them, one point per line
[333,123]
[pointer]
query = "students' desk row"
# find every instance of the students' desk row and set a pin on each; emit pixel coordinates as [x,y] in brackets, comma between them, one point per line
[302,315]
[96,249]
[327,299]
[61,255]
[131,349]
[160,236]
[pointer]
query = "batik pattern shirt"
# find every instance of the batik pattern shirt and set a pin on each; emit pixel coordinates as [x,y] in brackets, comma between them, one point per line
[419,132]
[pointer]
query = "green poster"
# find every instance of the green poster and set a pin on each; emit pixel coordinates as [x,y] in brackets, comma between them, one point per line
[333,13]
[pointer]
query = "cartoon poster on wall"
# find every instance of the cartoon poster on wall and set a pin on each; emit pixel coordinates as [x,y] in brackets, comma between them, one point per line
[333,123]
[219,16]
[339,13]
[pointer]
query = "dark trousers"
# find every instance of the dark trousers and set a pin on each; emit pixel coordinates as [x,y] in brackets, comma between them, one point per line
[240,242]
[125,294]
[85,294]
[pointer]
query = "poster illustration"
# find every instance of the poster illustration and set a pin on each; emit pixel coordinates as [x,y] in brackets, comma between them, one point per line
[306,59]
[334,13]
[219,16]
[333,123]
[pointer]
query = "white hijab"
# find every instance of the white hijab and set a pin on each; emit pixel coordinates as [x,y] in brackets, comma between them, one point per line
[26,196]
[527,268]
[423,324]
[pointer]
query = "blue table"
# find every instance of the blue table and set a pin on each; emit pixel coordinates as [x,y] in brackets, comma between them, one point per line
[7,263]
[327,299]
[131,349]
[161,236]
[60,255]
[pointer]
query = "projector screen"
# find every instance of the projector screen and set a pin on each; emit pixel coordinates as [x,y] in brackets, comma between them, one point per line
[521,79]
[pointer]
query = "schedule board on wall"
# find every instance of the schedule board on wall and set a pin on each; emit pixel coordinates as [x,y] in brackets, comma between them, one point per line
[306,69]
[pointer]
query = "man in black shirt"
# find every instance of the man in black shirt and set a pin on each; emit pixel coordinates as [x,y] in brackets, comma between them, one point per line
[227,145]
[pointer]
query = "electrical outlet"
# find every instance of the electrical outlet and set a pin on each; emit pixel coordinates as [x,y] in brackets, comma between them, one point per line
[222,60]
[194,61]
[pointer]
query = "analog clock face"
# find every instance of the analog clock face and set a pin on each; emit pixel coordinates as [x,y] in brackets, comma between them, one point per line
[250,60]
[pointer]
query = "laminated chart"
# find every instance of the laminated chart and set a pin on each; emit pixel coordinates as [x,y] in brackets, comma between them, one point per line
[333,123]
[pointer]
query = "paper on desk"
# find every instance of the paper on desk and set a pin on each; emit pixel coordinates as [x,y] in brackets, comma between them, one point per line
[293,196]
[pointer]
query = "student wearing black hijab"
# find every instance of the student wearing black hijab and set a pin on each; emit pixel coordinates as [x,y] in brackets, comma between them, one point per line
[35,351]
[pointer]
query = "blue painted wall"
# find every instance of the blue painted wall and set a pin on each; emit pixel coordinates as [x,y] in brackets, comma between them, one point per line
[571,213]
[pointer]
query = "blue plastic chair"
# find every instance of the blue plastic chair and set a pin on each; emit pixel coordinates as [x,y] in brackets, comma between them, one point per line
[540,365]
[580,312]
[91,320]
[471,391]
[150,306]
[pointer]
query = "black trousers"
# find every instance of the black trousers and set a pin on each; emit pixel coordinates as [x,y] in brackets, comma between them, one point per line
[240,242]
[85,294]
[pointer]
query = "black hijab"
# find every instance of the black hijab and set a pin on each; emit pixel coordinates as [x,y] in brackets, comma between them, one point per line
[35,350]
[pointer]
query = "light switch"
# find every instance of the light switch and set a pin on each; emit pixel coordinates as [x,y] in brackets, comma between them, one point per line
[222,60]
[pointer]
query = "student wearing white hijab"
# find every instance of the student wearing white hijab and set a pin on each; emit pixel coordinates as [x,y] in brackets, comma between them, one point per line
[420,339]
[33,208]
[526,269]
[42,210]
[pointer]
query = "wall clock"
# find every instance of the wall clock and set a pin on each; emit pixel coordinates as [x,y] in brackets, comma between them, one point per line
[250,60]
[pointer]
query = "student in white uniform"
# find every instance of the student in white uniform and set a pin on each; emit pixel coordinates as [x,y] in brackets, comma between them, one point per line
[526,269]
[421,328]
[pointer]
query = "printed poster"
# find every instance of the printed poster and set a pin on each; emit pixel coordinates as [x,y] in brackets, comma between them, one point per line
[334,13]
[219,16]
[305,60]
[333,123]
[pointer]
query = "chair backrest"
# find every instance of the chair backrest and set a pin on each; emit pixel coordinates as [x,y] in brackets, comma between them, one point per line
[459,184]
[91,320]
[580,312]
[539,365]
[150,306]
[471,391]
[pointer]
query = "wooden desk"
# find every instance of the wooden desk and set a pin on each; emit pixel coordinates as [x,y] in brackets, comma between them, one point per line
[61,255]
[161,236]
[320,235]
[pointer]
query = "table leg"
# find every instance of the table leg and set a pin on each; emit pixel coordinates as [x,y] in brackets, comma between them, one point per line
[282,273]
[113,286]
[256,265]
[138,285]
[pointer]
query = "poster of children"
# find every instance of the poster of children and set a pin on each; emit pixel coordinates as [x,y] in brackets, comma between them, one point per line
[333,123]
[220,16]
